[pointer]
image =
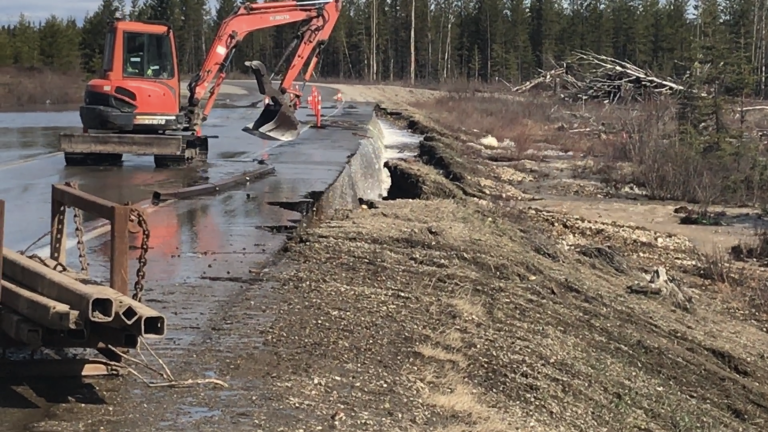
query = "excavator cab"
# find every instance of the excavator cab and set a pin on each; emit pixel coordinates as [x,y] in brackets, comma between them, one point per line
[138,86]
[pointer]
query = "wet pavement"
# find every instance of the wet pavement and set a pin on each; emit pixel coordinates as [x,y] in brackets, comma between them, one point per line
[29,164]
[201,253]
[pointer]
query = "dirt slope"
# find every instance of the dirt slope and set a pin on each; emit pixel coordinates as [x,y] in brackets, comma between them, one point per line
[463,311]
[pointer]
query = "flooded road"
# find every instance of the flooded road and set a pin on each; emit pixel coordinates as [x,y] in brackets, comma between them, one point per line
[30,163]
[201,254]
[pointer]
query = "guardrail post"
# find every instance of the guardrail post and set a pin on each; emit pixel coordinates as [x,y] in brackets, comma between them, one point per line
[118,260]
[63,196]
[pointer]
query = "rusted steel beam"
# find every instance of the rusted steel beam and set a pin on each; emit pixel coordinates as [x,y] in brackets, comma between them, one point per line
[98,306]
[118,258]
[20,328]
[210,188]
[139,318]
[74,336]
[58,248]
[40,309]
[98,336]
[86,202]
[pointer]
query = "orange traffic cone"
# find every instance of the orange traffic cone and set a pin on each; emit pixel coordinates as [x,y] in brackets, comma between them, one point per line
[338,97]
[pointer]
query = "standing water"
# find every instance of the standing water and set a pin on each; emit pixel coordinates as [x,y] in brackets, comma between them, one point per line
[32,134]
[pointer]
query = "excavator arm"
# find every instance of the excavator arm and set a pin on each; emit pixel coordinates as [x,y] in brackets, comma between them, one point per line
[316,21]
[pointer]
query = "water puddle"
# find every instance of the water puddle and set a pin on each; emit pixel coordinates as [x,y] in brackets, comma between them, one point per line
[194,413]
[39,119]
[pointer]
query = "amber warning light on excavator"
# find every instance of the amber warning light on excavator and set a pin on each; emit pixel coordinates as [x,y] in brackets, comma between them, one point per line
[135,105]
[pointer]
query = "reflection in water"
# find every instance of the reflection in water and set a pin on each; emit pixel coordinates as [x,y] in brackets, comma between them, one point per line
[173,234]
[69,119]
[27,142]
[280,190]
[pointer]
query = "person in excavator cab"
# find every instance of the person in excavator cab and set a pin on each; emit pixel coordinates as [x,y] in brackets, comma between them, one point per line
[145,53]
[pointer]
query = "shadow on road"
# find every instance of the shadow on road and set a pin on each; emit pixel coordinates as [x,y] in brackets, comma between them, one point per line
[48,391]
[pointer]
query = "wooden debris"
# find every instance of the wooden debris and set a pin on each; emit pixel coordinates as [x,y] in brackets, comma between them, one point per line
[660,285]
[589,76]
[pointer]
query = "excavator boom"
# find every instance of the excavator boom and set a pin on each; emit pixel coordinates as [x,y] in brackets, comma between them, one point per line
[316,21]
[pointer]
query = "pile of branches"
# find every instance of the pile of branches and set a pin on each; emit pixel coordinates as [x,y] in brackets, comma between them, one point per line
[589,76]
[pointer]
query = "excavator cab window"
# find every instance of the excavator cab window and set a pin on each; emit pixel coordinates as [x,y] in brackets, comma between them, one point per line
[147,55]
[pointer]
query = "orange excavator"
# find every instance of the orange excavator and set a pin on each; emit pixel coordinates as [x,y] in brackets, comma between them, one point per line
[134,106]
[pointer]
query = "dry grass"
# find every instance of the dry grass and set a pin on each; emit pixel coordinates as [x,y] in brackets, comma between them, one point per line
[448,86]
[531,123]
[440,354]
[717,266]
[643,135]
[26,88]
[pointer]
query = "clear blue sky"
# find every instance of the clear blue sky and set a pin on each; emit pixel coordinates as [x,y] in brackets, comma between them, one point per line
[40,9]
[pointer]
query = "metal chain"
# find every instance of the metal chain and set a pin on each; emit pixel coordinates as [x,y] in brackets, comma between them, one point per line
[57,266]
[138,286]
[80,233]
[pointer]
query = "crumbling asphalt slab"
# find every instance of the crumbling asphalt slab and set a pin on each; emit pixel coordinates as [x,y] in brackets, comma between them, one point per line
[205,254]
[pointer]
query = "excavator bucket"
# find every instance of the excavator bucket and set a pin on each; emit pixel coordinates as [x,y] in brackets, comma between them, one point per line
[277,120]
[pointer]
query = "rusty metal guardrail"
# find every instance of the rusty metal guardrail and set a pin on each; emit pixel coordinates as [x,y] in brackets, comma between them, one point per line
[213,187]
[63,196]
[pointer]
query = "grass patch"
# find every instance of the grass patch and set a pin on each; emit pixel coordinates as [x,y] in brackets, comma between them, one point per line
[645,144]
[22,88]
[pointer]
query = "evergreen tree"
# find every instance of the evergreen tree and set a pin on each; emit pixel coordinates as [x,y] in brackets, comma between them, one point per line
[24,43]
[93,34]
[6,49]
[476,39]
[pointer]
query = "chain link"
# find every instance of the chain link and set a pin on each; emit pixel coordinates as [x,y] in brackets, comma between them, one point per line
[141,221]
[57,266]
[138,286]
[80,233]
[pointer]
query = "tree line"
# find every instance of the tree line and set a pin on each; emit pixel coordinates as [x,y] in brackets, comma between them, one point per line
[440,40]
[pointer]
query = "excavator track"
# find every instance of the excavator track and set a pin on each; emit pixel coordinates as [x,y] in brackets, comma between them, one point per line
[95,149]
